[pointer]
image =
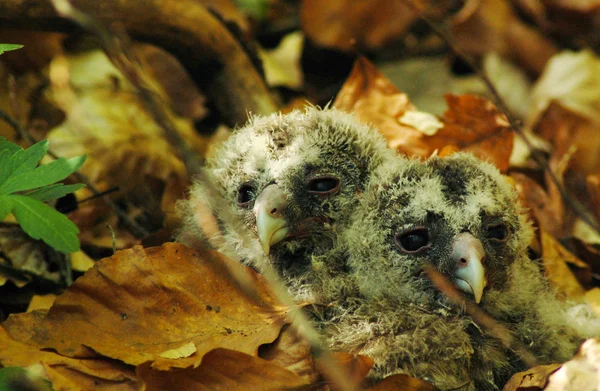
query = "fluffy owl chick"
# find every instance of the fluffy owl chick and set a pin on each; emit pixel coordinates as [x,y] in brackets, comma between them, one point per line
[461,216]
[282,184]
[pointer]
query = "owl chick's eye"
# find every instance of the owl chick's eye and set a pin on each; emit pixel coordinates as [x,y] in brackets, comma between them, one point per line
[245,194]
[413,241]
[497,233]
[324,185]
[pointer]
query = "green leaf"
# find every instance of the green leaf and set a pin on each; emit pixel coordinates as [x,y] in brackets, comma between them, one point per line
[42,175]
[5,166]
[53,191]
[27,159]
[40,221]
[5,47]
[7,145]
[6,206]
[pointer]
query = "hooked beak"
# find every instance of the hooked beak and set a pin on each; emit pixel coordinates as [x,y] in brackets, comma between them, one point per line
[469,274]
[270,223]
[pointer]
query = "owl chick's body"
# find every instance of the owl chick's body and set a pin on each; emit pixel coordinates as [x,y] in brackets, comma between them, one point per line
[280,187]
[460,215]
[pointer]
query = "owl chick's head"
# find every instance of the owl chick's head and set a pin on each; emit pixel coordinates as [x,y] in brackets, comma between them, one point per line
[458,213]
[286,181]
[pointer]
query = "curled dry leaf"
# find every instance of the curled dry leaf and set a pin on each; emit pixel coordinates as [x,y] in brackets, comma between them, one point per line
[67,373]
[581,373]
[544,209]
[533,379]
[350,25]
[356,366]
[223,369]
[555,258]
[292,352]
[141,304]
[471,123]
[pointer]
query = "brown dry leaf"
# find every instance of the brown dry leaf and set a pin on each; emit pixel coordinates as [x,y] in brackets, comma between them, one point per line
[350,25]
[532,379]
[566,129]
[471,123]
[581,373]
[141,303]
[483,26]
[375,100]
[67,373]
[41,302]
[555,258]
[356,366]
[223,369]
[474,124]
[403,383]
[547,211]
[292,352]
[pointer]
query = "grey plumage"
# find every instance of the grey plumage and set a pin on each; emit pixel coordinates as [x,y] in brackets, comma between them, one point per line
[452,212]
[282,185]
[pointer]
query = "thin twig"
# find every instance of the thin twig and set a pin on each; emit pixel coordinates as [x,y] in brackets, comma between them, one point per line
[136,229]
[121,55]
[336,372]
[575,205]
[494,327]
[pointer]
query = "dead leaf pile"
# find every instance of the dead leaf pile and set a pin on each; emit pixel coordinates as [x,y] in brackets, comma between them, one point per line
[171,318]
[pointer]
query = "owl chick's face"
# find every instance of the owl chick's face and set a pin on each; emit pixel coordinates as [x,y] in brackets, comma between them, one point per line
[287,198]
[457,213]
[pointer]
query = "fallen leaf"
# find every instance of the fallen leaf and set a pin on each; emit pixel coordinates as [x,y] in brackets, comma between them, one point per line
[140,303]
[569,78]
[223,369]
[67,373]
[555,258]
[532,379]
[544,209]
[282,64]
[356,366]
[471,123]
[292,352]
[41,302]
[474,124]
[403,383]
[581,373]
[350,25]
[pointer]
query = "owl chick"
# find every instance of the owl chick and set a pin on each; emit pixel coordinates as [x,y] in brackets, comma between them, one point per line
[282,184]
[461,216]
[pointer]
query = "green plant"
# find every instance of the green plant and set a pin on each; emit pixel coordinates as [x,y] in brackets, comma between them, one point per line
[5,47]
[25,187]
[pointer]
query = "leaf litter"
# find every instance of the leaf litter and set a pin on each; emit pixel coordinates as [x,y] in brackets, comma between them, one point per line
[169,317]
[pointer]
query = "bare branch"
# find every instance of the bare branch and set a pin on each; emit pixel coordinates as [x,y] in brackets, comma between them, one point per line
[211,54]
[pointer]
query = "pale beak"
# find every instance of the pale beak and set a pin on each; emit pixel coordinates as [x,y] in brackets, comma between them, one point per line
[469,274]
[271,226]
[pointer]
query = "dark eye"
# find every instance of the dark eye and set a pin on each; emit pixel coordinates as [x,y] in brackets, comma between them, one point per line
[414,240]
[245,195]
[324,185]
[497,233]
